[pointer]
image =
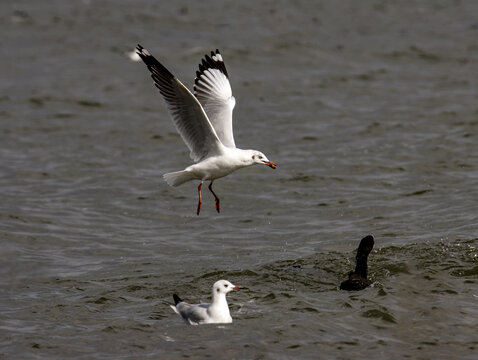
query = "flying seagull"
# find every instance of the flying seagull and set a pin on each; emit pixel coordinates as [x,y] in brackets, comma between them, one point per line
[204,121]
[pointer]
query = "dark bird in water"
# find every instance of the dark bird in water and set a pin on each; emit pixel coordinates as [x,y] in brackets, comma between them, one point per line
[358,279]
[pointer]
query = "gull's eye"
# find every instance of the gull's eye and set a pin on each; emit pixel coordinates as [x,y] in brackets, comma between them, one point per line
[226,285]
[260,156]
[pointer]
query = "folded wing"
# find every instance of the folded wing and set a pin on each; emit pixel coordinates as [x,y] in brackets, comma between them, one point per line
[194,314]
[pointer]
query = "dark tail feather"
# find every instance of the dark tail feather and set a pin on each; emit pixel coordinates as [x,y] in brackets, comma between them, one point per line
[177,299]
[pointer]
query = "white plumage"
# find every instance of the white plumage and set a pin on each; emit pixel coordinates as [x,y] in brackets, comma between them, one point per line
[215,312]
[204,121]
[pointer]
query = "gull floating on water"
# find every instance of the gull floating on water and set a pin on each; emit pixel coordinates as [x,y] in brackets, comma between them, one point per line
[216,312]
[204,121]
[358,279]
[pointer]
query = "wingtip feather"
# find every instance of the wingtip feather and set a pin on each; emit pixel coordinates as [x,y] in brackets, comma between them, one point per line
[177,299]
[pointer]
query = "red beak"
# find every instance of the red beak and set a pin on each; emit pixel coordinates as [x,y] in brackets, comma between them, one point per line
[270,164]
[237,287]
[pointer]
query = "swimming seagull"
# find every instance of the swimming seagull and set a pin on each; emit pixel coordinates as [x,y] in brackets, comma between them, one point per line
[358,279]
[216,312]
[204,121]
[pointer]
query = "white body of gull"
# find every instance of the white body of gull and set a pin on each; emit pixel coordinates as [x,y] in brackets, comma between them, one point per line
[204,121]
[216,312]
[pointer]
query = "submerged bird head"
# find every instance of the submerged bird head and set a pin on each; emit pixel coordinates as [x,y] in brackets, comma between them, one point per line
[223,287]
[256,157]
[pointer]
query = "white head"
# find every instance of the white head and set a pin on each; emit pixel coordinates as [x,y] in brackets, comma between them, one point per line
[256,157]
[223,287]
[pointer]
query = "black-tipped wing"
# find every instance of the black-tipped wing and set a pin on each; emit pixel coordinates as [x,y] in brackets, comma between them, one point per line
[177,299]
[187,113]
[213,90]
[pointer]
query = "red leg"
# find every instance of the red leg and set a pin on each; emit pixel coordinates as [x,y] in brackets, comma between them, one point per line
[200,201]
[218,203]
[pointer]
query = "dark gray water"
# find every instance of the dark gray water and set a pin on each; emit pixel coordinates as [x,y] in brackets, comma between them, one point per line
[370,111]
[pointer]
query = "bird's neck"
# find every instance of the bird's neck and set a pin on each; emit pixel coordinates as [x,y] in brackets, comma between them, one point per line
[361,265]
[219,303]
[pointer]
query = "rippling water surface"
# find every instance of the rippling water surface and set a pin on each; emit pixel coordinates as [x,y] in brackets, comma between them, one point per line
[370,111]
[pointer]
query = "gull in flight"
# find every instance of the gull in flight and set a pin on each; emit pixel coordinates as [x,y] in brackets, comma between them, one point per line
[216,312]
[204,121]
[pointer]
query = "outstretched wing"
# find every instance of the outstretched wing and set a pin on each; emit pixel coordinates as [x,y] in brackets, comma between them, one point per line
[187,113]
[213,90]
